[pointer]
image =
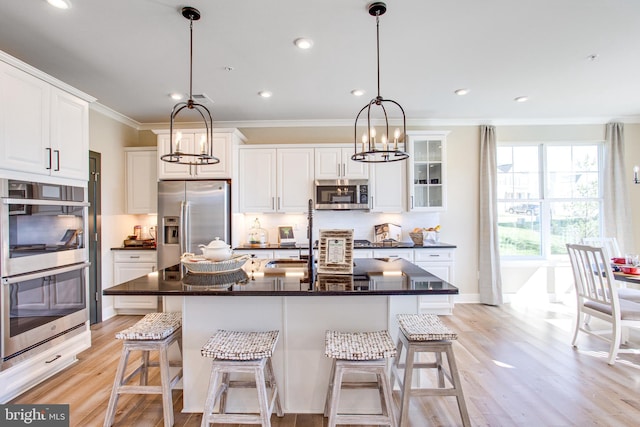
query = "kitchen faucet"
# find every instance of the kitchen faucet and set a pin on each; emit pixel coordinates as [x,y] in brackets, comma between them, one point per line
[310,238]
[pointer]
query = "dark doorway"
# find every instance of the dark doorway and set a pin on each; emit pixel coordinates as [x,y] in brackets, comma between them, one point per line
[95,239]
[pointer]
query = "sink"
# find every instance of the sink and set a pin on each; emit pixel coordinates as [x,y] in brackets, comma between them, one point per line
[285,265]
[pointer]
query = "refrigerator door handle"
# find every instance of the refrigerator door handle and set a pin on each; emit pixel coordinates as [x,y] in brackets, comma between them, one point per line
[182,231]
[187,225]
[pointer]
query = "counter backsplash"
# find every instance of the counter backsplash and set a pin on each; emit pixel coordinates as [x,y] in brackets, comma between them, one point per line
[362,224]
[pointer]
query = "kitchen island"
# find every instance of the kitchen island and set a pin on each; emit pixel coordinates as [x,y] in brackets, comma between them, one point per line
[258,297]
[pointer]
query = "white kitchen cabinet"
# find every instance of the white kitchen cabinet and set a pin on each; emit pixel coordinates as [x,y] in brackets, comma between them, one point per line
[387,187]
[275,179]
[440,262]
[43,129]
[223,142]
[129,265]
[69,135]
[142,180]
[394,253]
[336,163]
[427,171]
[255,253]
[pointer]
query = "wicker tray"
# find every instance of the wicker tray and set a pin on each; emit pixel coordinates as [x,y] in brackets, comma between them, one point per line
[201,265]
[215,281]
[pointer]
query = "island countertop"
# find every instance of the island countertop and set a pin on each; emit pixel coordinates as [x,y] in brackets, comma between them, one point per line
[371,276]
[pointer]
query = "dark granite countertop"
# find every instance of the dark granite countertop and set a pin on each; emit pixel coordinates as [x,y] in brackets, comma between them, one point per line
[371,276]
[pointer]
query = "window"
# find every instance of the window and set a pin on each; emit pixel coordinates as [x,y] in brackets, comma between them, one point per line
[549,194]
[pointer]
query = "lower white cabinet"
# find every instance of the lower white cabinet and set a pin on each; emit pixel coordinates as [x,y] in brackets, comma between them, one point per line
[129,265]
[439,262]
[51,359]
[395,253]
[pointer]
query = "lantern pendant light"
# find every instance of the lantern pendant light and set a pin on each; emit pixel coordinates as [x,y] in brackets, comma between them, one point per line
[202,150]
[368,149]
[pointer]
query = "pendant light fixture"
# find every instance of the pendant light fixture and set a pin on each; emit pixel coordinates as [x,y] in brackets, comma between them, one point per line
[366,148]
[201,152]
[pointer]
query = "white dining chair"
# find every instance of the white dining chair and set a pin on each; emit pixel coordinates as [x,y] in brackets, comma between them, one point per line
[597,297]
[609,244]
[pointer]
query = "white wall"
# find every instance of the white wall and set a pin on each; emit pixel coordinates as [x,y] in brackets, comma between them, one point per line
[108,137]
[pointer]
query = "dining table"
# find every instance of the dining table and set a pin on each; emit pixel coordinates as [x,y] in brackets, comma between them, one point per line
[633,279]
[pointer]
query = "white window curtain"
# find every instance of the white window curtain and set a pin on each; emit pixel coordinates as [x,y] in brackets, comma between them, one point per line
[490,280]
[617,212]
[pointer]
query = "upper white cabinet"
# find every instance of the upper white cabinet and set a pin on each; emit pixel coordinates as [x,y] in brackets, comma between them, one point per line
[43,129]
[142,180]
[427,171]
[275,179]
[223,142]
[336,163]
[69,135]
[387,189]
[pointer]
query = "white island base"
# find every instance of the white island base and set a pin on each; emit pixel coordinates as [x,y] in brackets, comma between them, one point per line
[301,369]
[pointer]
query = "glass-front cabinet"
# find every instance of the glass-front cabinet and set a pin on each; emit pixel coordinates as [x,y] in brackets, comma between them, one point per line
[427,170]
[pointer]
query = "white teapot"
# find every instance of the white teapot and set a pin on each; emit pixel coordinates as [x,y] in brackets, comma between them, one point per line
[216,250]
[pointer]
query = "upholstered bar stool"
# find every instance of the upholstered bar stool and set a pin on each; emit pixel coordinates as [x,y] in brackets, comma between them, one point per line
[425,333]
[359,352]
[154,332]
[241,353]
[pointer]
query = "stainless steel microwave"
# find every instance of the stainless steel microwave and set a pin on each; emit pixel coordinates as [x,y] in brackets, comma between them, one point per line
[342,194]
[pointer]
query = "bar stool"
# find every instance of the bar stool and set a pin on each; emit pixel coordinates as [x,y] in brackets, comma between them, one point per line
[154,332]
[425,333]
[241,352]
[359,352]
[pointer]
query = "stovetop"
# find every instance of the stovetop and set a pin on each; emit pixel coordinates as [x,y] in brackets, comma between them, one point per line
[358,243]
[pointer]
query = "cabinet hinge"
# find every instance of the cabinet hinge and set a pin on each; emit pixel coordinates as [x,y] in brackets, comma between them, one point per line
[97,296]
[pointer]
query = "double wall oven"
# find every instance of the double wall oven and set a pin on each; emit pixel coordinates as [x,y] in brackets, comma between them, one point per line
[44,266]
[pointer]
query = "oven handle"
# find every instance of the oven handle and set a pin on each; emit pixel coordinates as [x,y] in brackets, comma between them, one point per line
[44,273]
[10,201]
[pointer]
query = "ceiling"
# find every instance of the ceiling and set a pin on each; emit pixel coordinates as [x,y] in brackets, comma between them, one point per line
[131,54]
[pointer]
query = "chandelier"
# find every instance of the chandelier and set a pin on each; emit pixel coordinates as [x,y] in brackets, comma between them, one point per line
[368,149]
[199,154]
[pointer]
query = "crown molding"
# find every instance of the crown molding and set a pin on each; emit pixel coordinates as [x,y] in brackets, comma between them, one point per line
[106,111]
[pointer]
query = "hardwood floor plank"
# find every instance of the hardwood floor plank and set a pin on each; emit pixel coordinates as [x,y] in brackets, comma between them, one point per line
[516,363]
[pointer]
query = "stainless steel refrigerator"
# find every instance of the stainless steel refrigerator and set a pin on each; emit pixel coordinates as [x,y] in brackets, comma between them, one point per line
[191,213]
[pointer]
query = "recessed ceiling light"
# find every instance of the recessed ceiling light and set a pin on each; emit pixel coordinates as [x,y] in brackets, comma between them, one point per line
[265,94]
[303,43]
[60,4]
[461,92]
[521,99]
[357,92]
[176,96]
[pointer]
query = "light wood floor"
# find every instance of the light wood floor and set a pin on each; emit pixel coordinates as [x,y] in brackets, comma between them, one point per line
[517,368]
